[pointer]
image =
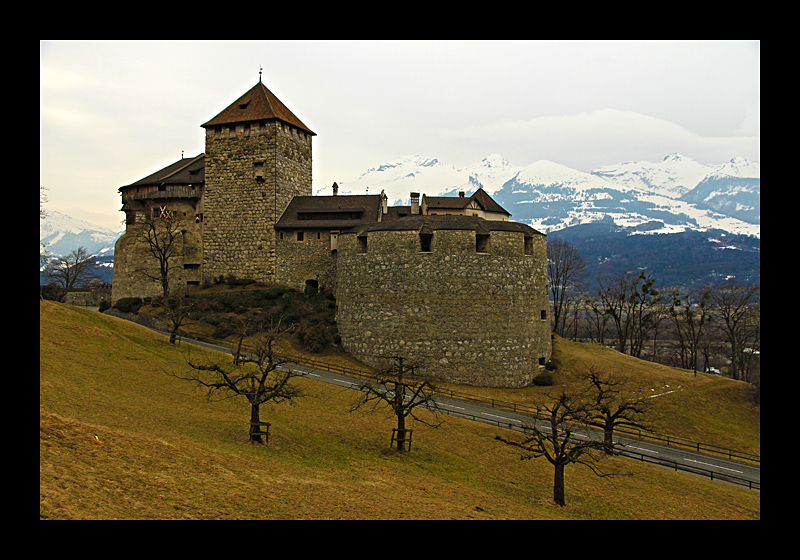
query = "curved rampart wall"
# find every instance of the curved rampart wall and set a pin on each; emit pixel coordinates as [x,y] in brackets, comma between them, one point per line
[478,318]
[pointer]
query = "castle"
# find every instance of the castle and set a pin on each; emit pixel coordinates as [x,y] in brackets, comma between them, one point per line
[446,282]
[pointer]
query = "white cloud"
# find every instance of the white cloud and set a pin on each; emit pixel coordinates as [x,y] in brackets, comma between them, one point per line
[587,140]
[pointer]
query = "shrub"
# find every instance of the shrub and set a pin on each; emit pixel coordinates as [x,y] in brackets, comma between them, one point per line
[129,304]
[543,380]
[313,337]
[53,292]
[224,329]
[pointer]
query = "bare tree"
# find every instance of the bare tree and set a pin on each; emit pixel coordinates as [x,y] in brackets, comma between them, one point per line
[177,307]
[163,237]
[689,311]
[627,299]
[737,308]
[73,270]
[397,388]
[596,319]
[611,405]
[646,303]
[566,272]
[257,376]
[557,441]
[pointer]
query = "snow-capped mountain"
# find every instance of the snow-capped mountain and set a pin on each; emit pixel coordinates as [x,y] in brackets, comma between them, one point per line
[420,174]
[674,176]
[60,234]
[734,190]
[673,195]
[676,194]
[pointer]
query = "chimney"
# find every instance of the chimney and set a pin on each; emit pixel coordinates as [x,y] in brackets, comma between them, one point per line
[415,203]
[384,202]
[461,194]
[335,188]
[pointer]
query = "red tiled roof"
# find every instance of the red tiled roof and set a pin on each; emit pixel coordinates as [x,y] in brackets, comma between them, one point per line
[258,104]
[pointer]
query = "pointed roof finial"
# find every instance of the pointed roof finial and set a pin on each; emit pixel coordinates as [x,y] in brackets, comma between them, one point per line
[260,68]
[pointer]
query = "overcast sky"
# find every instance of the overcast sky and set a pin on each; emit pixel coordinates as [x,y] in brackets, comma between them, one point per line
[114,112]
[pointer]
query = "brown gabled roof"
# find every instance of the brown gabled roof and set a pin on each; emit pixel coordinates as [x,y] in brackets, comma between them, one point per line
[458,203]
[185,171]
[330,212]
[258,104]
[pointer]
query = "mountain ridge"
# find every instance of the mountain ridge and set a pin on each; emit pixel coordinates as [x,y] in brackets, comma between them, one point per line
[551,196]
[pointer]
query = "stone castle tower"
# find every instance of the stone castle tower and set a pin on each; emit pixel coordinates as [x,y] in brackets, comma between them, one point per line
[257,158]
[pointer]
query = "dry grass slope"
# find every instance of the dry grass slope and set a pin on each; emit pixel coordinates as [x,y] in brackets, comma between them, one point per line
[120,439]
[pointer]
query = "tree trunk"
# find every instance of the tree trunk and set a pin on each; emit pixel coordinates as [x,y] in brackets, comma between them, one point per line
[558,484]
[254,426]
[608,437]
[401,432]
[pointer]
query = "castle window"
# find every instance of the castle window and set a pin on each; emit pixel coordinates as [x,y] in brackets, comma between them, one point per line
[529,245]
[544,315]
[312,287]
[542,361]
[425,240]
[481,243]
[299,235]
[362,244]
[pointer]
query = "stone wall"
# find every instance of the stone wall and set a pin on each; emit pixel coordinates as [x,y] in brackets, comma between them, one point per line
[137,270]
[310,258]
[252,172]
[471,317]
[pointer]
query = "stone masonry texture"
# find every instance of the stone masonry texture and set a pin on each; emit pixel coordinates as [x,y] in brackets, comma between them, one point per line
[462,316]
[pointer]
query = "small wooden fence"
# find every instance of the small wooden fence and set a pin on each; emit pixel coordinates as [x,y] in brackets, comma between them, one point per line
[402,438]
[256,429]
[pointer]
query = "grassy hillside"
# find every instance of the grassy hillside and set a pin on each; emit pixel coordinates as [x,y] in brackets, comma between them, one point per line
[119,438]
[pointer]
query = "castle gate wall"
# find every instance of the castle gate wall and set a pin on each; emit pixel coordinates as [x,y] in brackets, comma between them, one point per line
[470,317]
[304,257]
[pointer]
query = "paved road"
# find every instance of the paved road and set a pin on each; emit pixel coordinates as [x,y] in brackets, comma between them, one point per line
[716,467]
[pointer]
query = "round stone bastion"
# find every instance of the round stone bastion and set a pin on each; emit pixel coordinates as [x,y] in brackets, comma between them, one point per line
[461,298]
